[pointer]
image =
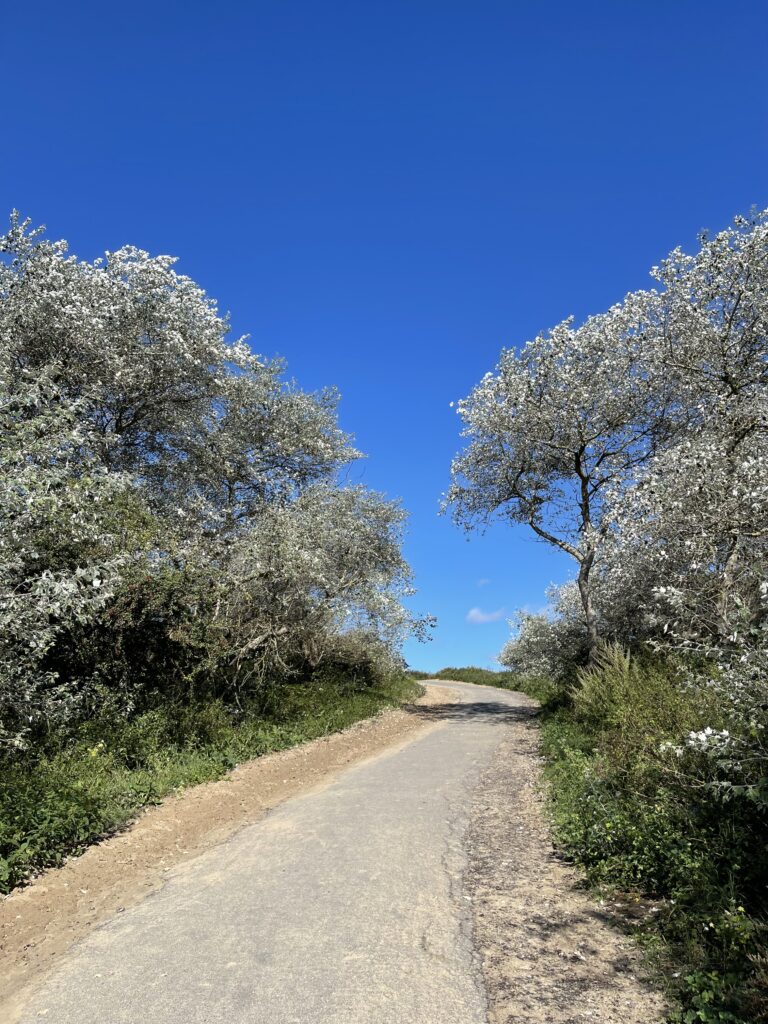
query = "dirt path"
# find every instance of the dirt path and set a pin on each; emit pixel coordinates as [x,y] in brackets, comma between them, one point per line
[549,953]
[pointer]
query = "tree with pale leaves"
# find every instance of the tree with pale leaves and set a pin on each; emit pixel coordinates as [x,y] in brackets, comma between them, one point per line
[678,551]
[570,415]
[305,577]
[694,526]
[60,550]
[172,520]
[198,419]
[550,643]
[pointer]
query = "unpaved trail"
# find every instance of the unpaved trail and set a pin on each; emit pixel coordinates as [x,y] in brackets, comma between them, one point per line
[549,952]
[390,891]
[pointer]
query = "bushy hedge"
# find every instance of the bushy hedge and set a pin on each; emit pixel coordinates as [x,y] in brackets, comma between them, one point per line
[478,676]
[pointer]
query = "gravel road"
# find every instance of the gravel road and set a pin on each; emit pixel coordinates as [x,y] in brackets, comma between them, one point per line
[343,905]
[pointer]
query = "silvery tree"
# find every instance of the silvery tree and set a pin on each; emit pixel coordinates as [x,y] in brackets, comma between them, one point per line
[308,576]
[691,537]
[715,338]
[573,413]
[185,474]
[682,522]
[172,401]
[548,644]
[60,552]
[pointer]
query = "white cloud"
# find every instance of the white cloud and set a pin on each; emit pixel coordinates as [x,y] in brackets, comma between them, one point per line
[483,583]
[478,616]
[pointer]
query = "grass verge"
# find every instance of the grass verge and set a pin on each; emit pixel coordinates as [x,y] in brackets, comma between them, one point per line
[56,800]
[687,866]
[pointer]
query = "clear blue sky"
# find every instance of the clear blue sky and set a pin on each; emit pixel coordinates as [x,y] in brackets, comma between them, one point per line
[388,193]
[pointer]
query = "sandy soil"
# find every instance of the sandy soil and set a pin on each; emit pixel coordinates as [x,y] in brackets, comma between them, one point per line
[38,923]
[549,953]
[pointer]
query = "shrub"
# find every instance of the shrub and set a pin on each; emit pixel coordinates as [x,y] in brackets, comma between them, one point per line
[478,676]
[640,800]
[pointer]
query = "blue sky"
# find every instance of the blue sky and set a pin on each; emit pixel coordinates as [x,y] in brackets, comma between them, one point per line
[388,194]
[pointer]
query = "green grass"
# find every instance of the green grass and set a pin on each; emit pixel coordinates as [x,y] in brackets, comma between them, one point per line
[478,676]
[56,801]
[644,830]
[543,690]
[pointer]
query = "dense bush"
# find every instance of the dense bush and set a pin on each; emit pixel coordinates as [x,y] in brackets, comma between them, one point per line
[661,819]
[172,523]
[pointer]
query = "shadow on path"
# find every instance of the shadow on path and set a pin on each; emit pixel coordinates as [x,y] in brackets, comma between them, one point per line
[494,712]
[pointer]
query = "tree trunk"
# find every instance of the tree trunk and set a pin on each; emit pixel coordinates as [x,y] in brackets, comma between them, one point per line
[588,556]
[586,602]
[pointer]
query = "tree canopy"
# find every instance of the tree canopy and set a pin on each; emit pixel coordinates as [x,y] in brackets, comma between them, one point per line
[172,516]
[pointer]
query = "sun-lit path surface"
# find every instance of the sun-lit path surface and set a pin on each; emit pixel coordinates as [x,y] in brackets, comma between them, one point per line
[343,905]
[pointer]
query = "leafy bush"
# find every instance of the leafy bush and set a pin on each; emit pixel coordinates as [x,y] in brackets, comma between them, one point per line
[644,811]
[635,701]
[173,521]
[471,674]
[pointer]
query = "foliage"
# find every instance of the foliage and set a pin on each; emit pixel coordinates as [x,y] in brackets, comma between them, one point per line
[173,526]
[203,421]
[549,645]
[57,799]
[558,423]
[638,444]
[471,674]
[60,549]
[651,820]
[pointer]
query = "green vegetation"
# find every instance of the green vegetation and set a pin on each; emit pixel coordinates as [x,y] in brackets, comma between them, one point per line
[478,676]
[186,578]
[655,820]
[67,793]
